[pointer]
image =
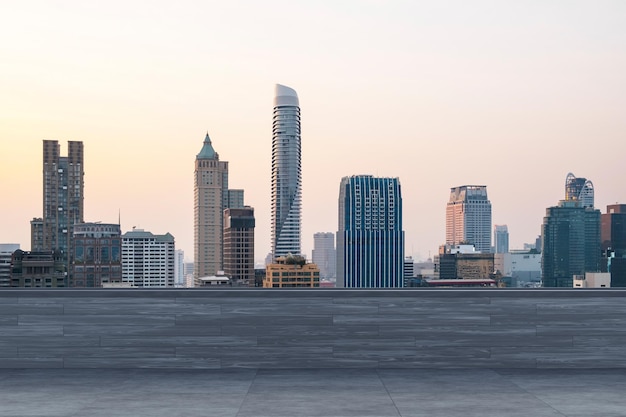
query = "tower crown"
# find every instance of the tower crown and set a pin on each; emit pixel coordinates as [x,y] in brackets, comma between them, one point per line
[207,151]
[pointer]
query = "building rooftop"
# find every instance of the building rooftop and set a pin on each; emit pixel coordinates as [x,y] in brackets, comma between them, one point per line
[313,392]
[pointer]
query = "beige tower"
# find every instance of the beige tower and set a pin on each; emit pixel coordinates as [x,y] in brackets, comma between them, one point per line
[210,198]
[468,217]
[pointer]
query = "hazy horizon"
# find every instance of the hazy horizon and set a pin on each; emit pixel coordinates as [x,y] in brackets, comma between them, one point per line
[439,94]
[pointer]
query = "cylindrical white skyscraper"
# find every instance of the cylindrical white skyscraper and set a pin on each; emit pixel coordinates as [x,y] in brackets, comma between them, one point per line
[286,173]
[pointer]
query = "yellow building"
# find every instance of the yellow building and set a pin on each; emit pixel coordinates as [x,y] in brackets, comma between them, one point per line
[291,271]
[474,265]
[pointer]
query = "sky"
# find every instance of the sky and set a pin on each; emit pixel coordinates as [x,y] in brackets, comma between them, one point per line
[512,95]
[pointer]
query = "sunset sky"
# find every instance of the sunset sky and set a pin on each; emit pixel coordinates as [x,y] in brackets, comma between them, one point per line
[512,95]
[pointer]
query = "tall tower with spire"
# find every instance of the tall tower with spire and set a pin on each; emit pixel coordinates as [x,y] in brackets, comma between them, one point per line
[210,199]
[286,173]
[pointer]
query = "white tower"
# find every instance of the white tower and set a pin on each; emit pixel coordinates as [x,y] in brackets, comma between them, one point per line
[286,173]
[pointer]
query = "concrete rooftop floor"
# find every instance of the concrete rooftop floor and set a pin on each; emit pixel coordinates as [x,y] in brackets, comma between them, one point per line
[335,392]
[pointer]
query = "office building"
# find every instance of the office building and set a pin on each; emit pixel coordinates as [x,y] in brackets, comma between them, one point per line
[286,194]
[324,254]
[613,243]
[463,262]
[291,271]
[179,268]
[520,268]
[370,239]
[97,256]
[211,197]
[239,245]
[570,243]
[45,269]
[36,234]
[501,238]
[580,190]
[468,217]
[235,199]
[408,273]
[6,252]
[63,195]
[148,259]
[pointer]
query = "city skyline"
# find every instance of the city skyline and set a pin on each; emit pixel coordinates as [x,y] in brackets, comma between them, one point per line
[507,95]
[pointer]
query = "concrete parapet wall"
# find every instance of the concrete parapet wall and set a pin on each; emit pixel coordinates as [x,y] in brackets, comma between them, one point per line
[312,328]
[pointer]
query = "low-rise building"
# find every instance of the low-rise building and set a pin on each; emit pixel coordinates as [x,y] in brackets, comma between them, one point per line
[291,271]
[521,267]
[593,280]
[38,269]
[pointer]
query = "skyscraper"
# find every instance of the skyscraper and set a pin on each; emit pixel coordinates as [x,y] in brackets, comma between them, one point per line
[579,189]
[179,268]
[324,254]
[501,238]
[570,243]
[286,173]
[211,197]
[370,239]
[63,186]
[468,217]
[613,241]
[239,245]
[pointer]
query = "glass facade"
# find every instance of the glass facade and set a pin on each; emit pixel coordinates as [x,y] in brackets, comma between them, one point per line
[286,192]
[570,243]
[370,239]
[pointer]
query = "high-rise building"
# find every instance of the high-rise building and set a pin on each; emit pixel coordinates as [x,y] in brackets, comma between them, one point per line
[147,259]
[179,268]
[97,256]
[613,241]
[570,243]
[63,186]
[239,245]
[286,173]
[324,254]
[370,239]
[501,238]
[6,252]
[409,271]
[235,199]
[579,189]
[211,197]
[468,217]
[36,234]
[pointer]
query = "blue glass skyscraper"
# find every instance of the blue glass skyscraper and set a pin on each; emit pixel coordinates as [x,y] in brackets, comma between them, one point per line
[370,239]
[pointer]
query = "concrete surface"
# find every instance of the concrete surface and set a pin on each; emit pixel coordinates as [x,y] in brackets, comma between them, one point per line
[312,392]
[312,328]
